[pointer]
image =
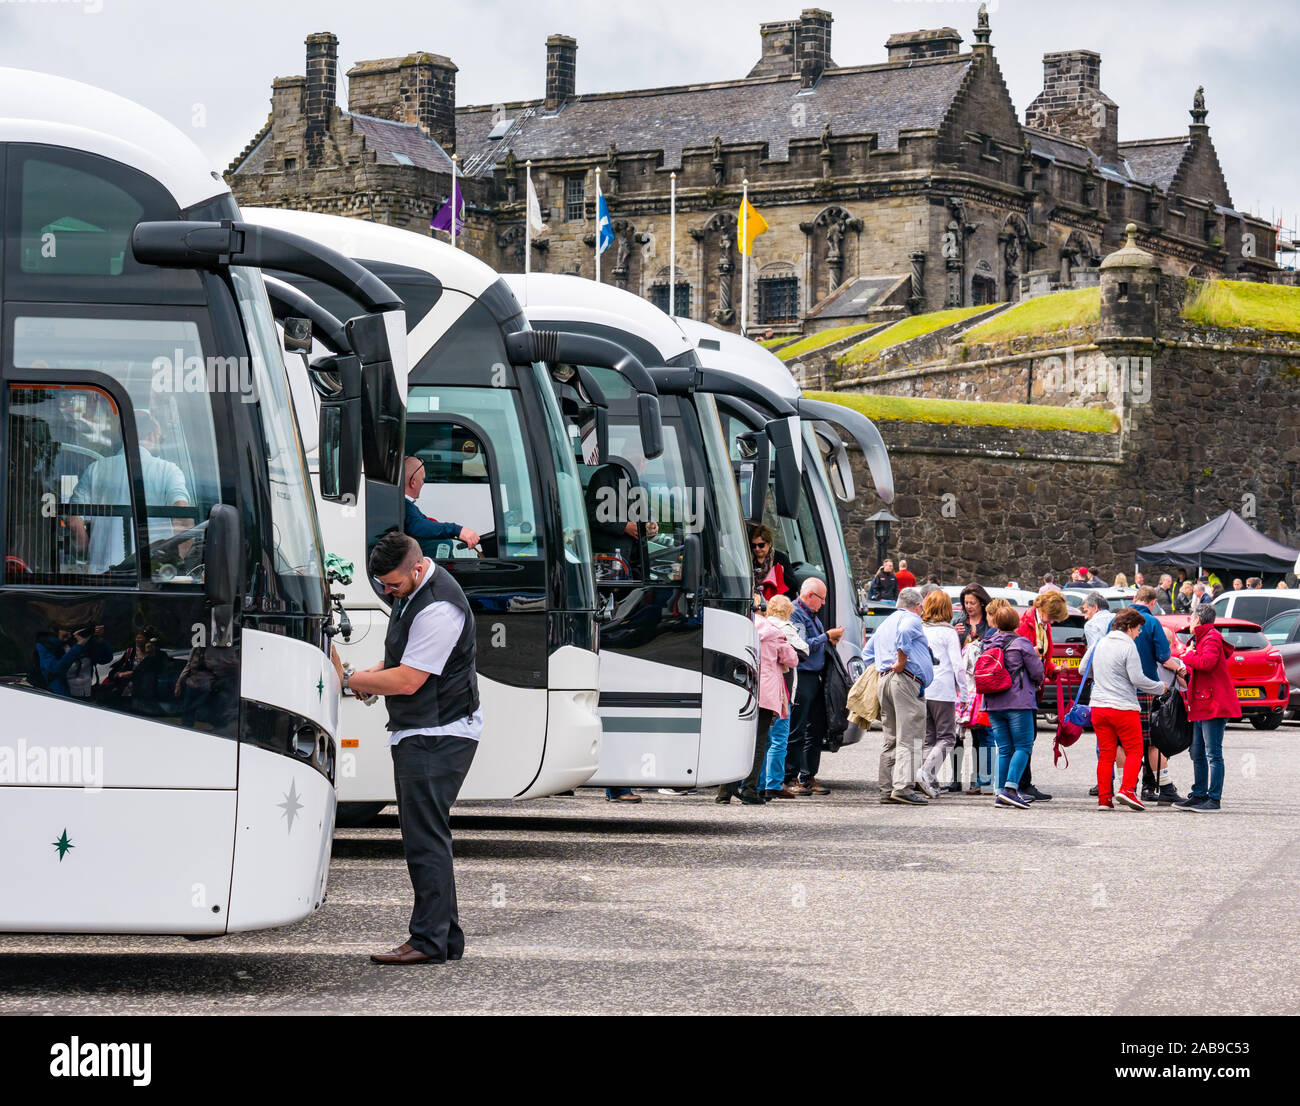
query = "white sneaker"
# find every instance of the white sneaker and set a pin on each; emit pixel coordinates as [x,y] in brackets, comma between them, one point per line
[926,785]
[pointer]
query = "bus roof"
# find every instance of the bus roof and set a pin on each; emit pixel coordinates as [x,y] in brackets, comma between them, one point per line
[720,349]
[569,298]
[54,111]
[366,241]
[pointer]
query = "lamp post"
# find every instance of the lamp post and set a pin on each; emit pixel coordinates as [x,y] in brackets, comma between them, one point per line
[883,520]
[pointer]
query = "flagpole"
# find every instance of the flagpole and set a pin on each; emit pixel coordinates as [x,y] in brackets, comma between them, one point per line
[744,255]
[455,210]
[597,226]
[672,244]
[528,225]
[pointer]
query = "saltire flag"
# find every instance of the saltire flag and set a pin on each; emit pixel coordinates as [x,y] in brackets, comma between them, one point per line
[604,229]
[442,221]
[535,223]
[751,225]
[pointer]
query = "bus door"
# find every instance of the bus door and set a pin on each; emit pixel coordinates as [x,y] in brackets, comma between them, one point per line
[478,476]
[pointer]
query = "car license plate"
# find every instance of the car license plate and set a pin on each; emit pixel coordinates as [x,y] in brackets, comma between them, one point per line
[1249,693]
[1069,662]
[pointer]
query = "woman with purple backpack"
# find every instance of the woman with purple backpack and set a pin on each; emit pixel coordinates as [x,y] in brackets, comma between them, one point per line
[1011,671]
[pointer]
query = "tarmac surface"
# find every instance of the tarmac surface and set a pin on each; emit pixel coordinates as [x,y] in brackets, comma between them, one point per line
[833,904]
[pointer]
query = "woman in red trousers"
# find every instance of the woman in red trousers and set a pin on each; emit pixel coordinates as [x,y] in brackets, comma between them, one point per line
[1116,716]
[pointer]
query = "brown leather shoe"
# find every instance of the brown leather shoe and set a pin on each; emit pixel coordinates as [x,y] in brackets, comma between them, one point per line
[404,954]
[797,789]
[815,788]
[783,793]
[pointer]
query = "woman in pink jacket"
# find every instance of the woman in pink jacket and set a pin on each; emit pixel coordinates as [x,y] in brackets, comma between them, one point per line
[775,654]
[1211,701]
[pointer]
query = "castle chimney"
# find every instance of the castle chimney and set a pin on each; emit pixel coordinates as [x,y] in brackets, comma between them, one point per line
[918,45]
[561,70]
[419,88]
[813,45]
[1073,105]
[322,84]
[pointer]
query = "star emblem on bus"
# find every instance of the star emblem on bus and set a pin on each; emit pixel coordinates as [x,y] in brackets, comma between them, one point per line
[63,845]
[291,805]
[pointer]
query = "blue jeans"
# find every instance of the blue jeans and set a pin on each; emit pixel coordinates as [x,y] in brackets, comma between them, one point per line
[1013,733]
[982,749]
[615,792]
[1207,759]
[774,766]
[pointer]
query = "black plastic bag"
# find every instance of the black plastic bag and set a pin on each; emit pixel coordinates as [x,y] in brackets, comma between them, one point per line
[1171,732]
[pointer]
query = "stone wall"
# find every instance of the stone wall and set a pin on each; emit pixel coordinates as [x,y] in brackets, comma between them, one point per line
[1214,425]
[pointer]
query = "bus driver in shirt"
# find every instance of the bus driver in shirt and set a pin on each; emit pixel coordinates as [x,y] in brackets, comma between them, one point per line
[107,483]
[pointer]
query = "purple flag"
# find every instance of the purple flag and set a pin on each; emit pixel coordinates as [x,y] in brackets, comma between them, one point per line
[442,221]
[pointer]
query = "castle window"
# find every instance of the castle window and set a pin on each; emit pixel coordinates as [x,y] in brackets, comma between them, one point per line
[290,164]
[778,300]
[681,298]
[575,198]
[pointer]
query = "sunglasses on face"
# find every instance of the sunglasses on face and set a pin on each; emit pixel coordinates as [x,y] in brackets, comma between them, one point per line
[758,545]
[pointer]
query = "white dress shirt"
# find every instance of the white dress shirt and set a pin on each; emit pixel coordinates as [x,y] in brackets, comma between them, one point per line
[433,635]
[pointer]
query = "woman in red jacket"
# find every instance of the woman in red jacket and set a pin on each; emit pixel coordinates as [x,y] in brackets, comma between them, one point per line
[1036,628]
[1211,701]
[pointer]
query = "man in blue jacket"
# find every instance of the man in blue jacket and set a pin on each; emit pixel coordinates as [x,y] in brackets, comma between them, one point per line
[1153,652]
[422,528]
[808,711]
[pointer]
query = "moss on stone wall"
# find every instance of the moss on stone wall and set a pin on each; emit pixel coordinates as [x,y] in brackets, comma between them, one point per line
[1040,315]
[821,340]
[1239,304]
[1088,420]
[905,330]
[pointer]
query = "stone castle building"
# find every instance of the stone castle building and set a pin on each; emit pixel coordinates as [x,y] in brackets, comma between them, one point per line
[907,185]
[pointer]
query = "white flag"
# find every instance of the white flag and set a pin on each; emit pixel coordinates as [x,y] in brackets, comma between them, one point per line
[535,223]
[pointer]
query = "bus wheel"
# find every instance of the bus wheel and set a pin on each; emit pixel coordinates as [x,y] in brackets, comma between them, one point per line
[351,815]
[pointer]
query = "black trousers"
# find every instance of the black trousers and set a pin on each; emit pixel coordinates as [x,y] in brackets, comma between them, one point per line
[428,771]
[803,755]
[761,741]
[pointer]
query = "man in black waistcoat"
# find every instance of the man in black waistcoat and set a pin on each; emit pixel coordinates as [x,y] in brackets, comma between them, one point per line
[431,690]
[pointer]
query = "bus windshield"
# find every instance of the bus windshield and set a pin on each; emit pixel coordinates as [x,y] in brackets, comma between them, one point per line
[580,590]
[733,544]
[296,548]
[816,468]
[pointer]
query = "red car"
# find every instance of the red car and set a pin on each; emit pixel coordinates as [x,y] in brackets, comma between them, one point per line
[1067,653]
[1256,666]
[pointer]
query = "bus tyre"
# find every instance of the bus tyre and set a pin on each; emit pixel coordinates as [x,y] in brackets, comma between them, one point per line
[351,815]
[1269,721]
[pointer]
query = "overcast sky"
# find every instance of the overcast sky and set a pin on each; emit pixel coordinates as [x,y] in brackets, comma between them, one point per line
[212,61]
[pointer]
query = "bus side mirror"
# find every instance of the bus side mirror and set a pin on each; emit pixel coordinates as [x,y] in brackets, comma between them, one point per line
[753,471]
[383,410]
[691,560]
[339,441]
[297,334]
[222,553]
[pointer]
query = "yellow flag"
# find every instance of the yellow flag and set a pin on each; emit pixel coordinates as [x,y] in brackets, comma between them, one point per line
[751,225]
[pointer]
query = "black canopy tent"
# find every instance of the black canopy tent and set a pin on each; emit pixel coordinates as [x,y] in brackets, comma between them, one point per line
[1227,542]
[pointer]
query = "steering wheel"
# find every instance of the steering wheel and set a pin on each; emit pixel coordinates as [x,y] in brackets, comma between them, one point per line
[165,553]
